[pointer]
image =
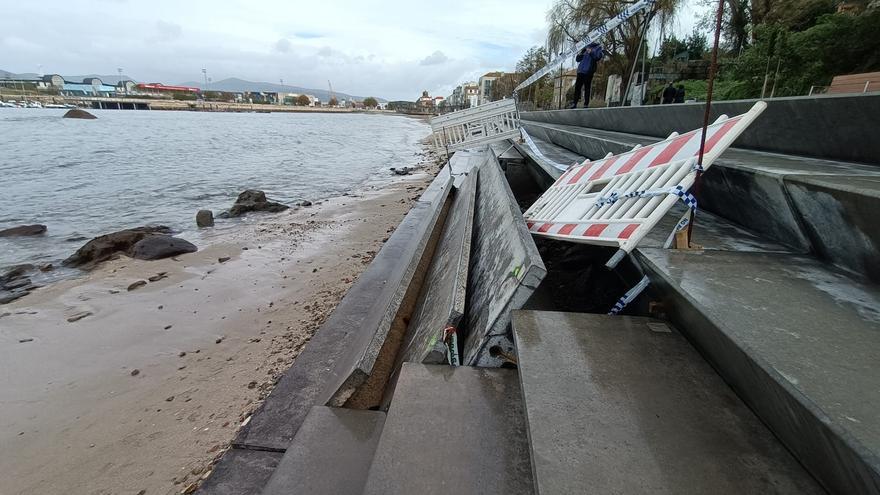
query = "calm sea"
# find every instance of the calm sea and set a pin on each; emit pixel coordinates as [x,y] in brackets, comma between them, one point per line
[84,178]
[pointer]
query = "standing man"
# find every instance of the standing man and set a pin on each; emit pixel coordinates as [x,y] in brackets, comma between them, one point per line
[679,94]
[669,94]
[587,60]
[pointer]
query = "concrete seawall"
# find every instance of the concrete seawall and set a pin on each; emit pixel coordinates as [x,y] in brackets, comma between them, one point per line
[780,129]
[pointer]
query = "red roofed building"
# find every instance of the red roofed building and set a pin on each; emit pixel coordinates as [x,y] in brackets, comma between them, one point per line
[159,88]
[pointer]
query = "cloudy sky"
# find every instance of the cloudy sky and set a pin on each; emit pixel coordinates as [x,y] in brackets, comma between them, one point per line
[391,49]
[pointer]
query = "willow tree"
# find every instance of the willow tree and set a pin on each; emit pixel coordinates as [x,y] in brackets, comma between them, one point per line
[570,20]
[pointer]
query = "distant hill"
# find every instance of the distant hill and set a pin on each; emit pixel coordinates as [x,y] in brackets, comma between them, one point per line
[235,84]
[230,84]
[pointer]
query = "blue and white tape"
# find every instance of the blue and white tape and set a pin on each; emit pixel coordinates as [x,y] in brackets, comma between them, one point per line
[679,191]
[531,144]
[630,295]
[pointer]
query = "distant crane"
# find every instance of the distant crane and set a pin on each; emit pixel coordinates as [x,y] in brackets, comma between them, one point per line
[332,97]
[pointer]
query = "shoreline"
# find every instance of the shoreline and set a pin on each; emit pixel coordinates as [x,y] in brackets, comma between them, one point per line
[208,342]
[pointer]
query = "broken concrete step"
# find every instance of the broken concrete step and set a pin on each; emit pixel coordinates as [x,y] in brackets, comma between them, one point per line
[240,472]
[331,453]
[453,430]
[625,405]
[798,341]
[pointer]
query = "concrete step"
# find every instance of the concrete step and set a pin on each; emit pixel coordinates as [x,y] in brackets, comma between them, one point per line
[812,205]
[331,453]
[626,405]
[453,430]
[797,340]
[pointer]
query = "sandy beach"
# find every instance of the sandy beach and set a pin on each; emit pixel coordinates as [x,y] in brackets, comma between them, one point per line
[143,393]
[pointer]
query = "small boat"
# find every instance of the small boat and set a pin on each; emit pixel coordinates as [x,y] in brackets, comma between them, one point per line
[4,104]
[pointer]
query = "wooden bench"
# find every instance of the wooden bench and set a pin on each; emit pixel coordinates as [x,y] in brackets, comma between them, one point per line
[855,83]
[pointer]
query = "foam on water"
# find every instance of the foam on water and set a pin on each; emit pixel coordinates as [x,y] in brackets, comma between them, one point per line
[84,178]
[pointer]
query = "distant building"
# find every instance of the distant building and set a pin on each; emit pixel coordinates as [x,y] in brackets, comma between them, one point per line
[425,101]
[485,86]
[41,82]
[471,93]
[91,86]
[160,89]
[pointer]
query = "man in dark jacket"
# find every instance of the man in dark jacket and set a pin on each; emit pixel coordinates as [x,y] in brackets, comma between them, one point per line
[587,60]
[668,94]
[679,94]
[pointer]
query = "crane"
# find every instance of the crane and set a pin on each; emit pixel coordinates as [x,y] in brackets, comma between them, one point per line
[332,97]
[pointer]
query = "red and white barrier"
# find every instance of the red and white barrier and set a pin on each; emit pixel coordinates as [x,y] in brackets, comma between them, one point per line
[615,201]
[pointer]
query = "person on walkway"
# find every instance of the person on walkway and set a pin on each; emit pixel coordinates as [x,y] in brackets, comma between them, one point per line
[588,59]
[669,94]
[679,94]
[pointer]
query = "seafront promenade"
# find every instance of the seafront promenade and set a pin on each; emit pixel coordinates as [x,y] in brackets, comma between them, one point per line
[748,366]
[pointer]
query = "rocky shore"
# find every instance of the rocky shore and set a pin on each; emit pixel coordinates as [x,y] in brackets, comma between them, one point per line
[135,377]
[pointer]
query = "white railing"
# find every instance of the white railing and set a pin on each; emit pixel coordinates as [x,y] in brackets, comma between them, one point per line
[480,125]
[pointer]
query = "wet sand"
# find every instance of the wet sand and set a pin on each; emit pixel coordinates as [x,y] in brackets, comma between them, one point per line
[144,393]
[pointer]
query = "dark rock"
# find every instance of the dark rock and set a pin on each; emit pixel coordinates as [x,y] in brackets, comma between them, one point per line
[304,203]
[7,296]
[254,200]
[107,246]
[137,285]
[205,218]
[224,259]
[23,230]
[17,271]
[401,171]
[17,283]
[47,267]
[160,246]
[24,341]
[135,372]
[79,316]
[159,276]
[76,113]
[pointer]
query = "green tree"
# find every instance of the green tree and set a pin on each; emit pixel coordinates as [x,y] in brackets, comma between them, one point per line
[333,101]
[303,100]
[834,44]
[570,20]
[370,102]
[670,47]
[697,46]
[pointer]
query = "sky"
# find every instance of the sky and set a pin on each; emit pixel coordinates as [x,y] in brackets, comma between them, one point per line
[391,49]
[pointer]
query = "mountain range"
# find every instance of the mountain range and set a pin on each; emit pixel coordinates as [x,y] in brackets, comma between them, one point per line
[229,84]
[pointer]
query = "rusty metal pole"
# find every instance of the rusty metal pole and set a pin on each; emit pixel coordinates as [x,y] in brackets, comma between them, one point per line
[713,67]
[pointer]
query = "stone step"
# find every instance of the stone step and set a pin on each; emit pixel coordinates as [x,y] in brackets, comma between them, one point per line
[453,429]
[331,453]
[626,405]
[821,206]
[797,340]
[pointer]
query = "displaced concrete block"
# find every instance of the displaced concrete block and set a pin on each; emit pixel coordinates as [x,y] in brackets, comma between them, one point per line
[331,453]
[505,269]
[441,303]
[453,430]
[376,340]
[618,404]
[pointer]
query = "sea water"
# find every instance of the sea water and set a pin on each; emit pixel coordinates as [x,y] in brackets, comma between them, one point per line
[84,178]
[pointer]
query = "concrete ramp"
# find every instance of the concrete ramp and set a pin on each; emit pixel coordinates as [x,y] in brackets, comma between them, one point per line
[505,269]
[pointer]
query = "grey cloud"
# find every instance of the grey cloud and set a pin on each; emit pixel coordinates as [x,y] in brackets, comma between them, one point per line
[435,58]
[282,45]
[167,31]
